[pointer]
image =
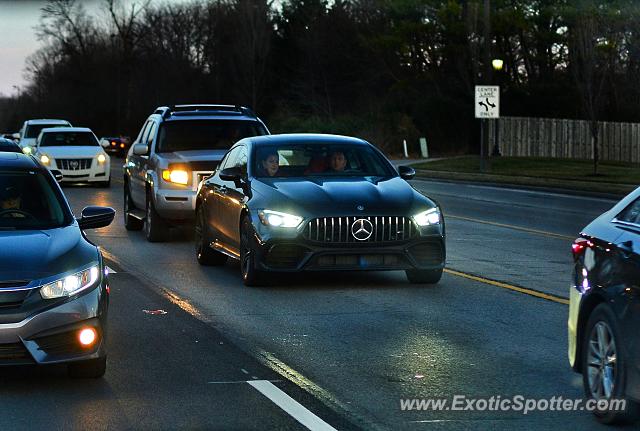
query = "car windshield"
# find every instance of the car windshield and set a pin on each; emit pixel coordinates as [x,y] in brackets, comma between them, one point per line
[9,146]
[28,201]
[205,134]
[69,139]
[305,160]
[33,130]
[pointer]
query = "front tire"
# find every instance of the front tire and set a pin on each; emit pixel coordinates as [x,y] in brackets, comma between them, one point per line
[604,366]
[204,253]
[250,275]
[424,276]
[155,228]
[90,369]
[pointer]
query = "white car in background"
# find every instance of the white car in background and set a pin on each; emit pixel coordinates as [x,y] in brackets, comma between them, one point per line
[76,152]
[32,128]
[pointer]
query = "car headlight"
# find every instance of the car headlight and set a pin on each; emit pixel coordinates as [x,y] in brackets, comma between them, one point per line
[45,159]
[70,284]
[428,217]
[278,219]
[102,158]
[177,176]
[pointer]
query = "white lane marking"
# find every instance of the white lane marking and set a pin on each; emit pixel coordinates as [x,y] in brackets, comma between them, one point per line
[231,382]
[291,406]
[111,270]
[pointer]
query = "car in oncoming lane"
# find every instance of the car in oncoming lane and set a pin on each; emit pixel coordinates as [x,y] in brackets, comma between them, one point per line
[76,153]
[604,310]
[312,202]
[54,291]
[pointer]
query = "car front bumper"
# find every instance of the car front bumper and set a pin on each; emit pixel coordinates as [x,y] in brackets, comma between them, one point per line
[97,173]
[51,336]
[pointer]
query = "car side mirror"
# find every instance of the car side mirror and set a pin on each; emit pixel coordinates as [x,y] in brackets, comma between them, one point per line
[140,149]
[233,174]
[104,143]
[16,136]
[95,217]
[57,175]
[406,172]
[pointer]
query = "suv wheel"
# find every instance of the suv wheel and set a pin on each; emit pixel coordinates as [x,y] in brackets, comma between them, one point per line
[205,254]
[250,275]
[604,366]
[91,369]
[130,222]
[155,229]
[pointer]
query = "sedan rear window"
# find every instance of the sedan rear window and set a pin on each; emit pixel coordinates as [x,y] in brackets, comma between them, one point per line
[69,139]
[205,134]
[28,201]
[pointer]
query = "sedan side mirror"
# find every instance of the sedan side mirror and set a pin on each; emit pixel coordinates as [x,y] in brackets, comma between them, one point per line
[16,136]
[140,149]
[105,143]
[96,217]
[231,174]
[406,172]
[57,175]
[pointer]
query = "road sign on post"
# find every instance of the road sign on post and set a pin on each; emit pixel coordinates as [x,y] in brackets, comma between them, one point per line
[487,101]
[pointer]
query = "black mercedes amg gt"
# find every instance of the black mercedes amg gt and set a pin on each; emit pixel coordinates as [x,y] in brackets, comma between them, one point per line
[305,202]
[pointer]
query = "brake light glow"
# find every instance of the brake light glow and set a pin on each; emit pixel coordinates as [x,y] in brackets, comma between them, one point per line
[579,246]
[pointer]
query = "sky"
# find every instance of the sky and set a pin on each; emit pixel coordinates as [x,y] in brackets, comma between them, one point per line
[18,22]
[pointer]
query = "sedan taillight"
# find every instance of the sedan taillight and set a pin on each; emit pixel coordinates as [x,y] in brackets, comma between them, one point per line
[579,246]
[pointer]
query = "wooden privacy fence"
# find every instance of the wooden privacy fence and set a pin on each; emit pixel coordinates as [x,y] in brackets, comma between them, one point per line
[548,137]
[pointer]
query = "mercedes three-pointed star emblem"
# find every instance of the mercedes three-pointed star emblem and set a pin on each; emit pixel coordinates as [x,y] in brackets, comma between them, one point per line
[362,229]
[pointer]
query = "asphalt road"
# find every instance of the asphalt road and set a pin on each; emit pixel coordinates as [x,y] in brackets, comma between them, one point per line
[348,347]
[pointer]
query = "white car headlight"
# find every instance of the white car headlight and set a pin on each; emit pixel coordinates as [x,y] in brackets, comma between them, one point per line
[278,219]
[102,158]
[70,284]
[428,217]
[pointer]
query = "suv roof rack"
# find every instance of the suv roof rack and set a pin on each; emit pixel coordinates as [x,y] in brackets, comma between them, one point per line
[167,111]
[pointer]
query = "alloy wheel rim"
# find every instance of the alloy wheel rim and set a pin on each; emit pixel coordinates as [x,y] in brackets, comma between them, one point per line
[602,361]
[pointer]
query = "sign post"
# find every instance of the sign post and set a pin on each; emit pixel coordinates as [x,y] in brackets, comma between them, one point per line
[487,107]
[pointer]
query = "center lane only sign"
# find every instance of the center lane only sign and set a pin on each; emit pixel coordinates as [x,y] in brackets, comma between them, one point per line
[487,101]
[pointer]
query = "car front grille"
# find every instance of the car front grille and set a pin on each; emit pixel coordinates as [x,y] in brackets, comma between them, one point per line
[358,230]
[14,353]
[73,164]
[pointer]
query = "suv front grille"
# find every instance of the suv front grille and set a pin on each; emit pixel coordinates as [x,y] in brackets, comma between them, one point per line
[73,164]
[341,230]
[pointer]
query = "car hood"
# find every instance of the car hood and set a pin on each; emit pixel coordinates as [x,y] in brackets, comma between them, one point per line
[340,196]
[38,254]
[58,152]
[195,156]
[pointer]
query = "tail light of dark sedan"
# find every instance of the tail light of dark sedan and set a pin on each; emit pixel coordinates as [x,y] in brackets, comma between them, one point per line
[579,246]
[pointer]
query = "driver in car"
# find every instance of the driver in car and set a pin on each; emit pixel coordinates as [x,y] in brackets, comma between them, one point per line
[337,161]
[11,200]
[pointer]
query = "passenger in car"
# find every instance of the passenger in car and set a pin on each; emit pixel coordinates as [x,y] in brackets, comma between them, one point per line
[11,200]
[270,164]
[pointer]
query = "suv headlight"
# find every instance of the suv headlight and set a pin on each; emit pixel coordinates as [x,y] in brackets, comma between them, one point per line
[178,176]
[428,217]
[278,219]
[71,284]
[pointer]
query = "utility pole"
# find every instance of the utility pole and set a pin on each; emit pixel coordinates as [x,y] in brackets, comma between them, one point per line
[486,78]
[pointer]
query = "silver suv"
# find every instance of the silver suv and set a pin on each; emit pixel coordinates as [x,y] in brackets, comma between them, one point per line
[177,148]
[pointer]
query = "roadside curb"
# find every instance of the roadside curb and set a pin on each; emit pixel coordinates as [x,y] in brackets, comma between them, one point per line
[531,183]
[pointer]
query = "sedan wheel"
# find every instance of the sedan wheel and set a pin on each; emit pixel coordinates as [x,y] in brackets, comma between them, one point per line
[603,370]
[204,253]
[250,275]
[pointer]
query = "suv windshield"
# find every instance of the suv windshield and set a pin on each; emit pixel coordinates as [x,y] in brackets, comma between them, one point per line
[34,130]
[205,134]
[69,139]
[302,160]
[28,201]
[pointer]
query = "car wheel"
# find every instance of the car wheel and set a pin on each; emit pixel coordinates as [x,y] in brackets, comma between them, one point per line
[604,366]
[424,276]
[91,369]
[155,229]
[250,275]
[130,222]
[205,254]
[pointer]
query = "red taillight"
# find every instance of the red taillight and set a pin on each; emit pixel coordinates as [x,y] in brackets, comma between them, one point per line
[579,246]
[113,143]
